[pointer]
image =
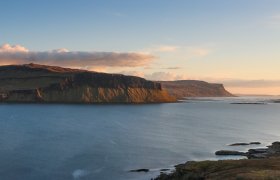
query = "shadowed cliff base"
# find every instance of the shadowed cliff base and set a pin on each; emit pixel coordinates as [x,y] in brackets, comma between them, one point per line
[33,83]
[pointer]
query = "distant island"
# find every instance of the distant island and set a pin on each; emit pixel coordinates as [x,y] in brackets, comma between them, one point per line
[34,83]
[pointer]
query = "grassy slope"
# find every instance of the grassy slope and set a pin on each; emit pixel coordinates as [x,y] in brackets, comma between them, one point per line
[227,169]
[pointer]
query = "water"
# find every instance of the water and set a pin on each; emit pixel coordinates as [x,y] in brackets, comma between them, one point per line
[106,141]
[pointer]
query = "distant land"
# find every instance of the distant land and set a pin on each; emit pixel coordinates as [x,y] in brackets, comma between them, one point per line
[193,88]
[34,83]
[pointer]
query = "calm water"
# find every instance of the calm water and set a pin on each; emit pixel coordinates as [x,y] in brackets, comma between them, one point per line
[106,141]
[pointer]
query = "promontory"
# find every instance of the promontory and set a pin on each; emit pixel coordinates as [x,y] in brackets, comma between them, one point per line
[34,83]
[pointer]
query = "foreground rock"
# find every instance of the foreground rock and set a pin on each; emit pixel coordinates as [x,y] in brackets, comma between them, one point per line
[50,84]
[257,153]
[229,153]
[264,163]
[140,170]
[245,144]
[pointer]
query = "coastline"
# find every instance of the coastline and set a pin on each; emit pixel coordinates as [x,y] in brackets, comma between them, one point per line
[262,163]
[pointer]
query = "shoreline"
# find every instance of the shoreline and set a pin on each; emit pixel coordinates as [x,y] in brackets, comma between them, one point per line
[262,163]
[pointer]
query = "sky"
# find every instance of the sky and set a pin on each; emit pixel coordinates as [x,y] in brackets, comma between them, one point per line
[235,42]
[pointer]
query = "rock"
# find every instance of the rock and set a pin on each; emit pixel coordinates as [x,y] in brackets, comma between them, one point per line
[254,103]
[165,170]
[274,148]
[257,156]
[255,143]
[245,144]
[258,150]
[229,153]
[140,170]
[266,167]
[239,144]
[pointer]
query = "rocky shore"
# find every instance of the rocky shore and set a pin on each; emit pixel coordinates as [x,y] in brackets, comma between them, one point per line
[262,163]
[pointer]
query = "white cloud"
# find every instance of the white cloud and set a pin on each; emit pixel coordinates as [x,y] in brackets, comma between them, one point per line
[164,76]
[62,57]
[7,48]
[133,73]
[156,76]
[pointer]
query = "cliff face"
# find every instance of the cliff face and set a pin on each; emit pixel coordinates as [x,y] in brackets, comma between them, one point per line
[39,83]
[192,88]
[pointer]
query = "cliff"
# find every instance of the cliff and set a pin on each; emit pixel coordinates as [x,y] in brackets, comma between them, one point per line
[193,88]
[50,84]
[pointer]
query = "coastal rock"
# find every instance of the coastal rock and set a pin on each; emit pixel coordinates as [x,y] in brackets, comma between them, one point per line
[239,144]
[248,103]
[257,151]
[140,170]
[255,143]
[274,148]
[229,153]
[245,144]
[262,163]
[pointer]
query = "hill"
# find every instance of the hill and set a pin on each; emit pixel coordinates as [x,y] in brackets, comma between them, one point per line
[193,88]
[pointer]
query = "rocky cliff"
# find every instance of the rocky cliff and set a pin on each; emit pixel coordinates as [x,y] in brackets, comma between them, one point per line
[50,84]
[193,88]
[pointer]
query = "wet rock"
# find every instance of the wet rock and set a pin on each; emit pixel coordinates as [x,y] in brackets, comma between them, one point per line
[239,144]
[257,156]
[257,151]
[245,144]
[140,170]
[274,148]
[253,103]
[165,170]
[229,153]
[255,143]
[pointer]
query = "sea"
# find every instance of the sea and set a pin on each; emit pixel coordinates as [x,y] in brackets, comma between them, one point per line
[106,142]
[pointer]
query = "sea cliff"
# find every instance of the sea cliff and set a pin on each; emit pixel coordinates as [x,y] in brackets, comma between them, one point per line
[51,84]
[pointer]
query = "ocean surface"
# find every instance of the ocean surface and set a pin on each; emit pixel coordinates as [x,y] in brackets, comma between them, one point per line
[102,142]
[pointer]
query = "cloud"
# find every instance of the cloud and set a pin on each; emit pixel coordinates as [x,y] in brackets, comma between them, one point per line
[7,48]
[161,49]
[172,68]
[133,73]
[275,19]
[62,57]
[272,21]
[156,76]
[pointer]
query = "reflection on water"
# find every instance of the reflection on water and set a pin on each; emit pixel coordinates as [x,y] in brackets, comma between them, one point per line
[106,141]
